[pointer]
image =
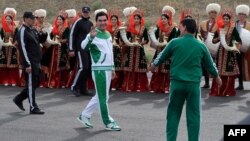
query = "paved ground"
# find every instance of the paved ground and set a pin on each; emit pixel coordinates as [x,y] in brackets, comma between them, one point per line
[141,116]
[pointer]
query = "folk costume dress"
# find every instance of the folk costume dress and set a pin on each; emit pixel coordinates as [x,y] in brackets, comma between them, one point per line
[9,55]
[226,62]
[160,80]
[117,50]
[59,64]
[135,63]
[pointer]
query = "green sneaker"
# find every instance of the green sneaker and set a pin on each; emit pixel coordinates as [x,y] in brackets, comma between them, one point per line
[113,127]
[85,121]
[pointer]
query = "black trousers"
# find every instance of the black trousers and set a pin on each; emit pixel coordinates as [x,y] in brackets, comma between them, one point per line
[239,61]
[205,74]
[83,73]
[32,82]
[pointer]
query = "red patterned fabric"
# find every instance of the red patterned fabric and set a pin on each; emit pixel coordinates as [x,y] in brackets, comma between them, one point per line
[72,76]
[57,79]
[160,82]
[90,84]
[117,81]
[135,81]
[9,76]
[227,88]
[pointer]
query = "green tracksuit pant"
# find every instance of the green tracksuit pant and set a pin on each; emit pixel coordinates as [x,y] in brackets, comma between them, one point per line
[179,93]
[102,80]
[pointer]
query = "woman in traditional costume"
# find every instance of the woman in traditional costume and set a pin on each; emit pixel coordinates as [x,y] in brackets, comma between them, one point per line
[165,32]
[113,27]
[59,65]
[226,60]
[135,66]
[9,55]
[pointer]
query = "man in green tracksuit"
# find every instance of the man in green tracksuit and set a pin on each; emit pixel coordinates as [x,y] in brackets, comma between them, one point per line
[187,56]
[99,42]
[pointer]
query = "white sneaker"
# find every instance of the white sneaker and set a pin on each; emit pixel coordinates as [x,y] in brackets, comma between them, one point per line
[113,127]
[85,121]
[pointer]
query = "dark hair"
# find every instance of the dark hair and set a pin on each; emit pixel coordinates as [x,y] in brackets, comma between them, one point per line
[138,16]
[227,15]
[100,14]
[165,15]
[9,17]
[114,16]
[61,17]
[190,25]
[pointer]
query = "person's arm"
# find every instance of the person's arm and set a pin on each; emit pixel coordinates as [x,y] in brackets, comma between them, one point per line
[202,32]
[22,42]
[15,36]
[157,32]
[166,53]
[72,36]
[42,36]
[118,36]
[129,35]
[86,43]
[2,34]
[236,36]
[65,36]
[216,37]
[145,37]
[51,35]
[172,34]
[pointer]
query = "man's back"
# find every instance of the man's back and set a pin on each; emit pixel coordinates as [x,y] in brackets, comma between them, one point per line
[187,55]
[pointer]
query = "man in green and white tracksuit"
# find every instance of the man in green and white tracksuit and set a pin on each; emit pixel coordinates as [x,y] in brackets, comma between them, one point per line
[99,43]
[187,55]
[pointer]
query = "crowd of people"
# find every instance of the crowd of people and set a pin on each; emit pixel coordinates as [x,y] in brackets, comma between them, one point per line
[65,65]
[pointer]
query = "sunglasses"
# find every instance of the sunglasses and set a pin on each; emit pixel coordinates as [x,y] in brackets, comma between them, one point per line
[102,20]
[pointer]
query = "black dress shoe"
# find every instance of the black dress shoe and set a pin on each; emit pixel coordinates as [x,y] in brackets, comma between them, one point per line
[19,104]
[206,86]
[240,87]
[36,111]
[75,92]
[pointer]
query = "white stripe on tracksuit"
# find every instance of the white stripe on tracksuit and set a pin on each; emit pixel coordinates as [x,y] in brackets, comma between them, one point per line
[30,91]
[71,34]
[23,46]
[79,70]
